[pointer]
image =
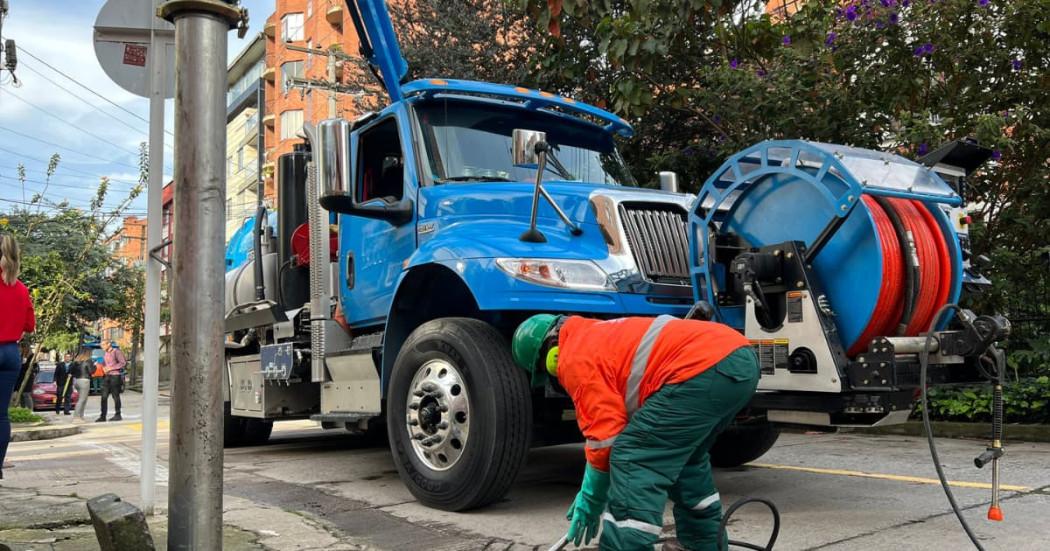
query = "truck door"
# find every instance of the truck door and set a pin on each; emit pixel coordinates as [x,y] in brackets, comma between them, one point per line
[372,251]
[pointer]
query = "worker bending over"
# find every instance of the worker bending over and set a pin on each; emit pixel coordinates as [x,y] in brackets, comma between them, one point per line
[651,395]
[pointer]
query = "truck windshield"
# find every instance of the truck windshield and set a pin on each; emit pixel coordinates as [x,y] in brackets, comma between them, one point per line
[471,142]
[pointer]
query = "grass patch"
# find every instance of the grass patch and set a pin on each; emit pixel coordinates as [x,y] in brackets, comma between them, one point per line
[23,415]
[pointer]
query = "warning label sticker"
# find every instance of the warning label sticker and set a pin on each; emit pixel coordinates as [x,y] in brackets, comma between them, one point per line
[772,354]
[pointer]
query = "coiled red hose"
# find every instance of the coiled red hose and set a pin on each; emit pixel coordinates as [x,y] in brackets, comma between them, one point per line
[934,270]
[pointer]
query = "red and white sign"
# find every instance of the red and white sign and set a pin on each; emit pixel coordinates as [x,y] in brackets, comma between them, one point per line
[135,54]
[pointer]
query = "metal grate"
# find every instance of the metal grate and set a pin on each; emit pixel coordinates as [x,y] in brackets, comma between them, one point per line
[657,235]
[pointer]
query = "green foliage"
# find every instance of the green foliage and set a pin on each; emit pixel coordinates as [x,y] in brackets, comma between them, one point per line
[72,277]
[23,415]
[485,40]
[701,80]
[1024,401]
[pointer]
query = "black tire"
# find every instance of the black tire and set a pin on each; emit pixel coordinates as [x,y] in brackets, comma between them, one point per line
[500,414]
[243,431]
[743,443]
[232,428]
[256,432]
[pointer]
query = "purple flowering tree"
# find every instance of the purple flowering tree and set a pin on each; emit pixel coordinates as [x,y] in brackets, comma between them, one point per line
[703,79]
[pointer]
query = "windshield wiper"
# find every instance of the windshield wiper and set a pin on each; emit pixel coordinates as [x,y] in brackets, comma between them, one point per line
[476,179]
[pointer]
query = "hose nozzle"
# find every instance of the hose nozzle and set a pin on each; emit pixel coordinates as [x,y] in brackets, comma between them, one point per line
[995,513]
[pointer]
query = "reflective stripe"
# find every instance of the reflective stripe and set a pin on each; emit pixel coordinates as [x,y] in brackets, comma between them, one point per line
[599,444]
[633,524]
[640,361]
[707,502]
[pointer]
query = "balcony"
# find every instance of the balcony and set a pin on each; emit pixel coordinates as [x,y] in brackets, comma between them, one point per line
[334,14]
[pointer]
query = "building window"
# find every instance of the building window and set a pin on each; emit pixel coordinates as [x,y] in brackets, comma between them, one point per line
[292,27]
[309,8]
[291,122]
[291,69]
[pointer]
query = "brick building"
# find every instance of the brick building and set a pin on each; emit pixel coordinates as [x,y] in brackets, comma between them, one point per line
[318,24]
[129,246]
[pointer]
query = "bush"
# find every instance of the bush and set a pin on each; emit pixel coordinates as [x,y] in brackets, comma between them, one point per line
[1024,401]
[23,415]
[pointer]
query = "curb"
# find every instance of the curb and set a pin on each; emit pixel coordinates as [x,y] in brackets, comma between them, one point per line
[948,429]
[43,433]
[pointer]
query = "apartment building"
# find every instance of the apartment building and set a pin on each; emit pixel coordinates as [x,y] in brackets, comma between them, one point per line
[244,133]
[314,24]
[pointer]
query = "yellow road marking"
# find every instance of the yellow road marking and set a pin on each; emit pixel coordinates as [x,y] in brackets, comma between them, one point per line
[893,477]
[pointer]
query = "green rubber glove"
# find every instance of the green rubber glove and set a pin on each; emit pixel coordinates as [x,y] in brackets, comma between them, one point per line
[585,513]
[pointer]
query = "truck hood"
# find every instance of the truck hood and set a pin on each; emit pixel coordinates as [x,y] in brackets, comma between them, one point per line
[513,200]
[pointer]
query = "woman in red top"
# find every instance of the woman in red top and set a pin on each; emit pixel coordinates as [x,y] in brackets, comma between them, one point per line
[16,319]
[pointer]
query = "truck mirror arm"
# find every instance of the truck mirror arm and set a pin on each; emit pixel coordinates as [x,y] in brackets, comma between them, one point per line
[397,213]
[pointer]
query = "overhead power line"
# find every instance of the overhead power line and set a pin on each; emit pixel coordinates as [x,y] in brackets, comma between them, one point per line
[62,167]
[91,105]
[67,123]
[89,89]
[55,184]
[70,149]
[58,207]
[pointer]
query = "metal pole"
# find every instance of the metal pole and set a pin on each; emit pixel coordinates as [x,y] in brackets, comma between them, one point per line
[196,456]
[151,346]
[332,83]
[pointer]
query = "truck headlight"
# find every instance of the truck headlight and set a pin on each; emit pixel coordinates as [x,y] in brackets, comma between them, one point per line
[567,274]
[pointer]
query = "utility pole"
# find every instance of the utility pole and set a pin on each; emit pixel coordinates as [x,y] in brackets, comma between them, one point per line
[331,84]
[198,327]
[8,48]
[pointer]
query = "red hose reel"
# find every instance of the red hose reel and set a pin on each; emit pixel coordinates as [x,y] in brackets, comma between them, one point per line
[934,270]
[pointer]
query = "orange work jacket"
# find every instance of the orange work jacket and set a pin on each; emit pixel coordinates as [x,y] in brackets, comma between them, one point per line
[609,368]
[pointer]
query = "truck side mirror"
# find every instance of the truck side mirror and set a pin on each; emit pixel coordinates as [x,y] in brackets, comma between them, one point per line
[523,147]
[336,186]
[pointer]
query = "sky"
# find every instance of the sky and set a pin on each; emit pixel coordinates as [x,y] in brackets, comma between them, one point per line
[94,138]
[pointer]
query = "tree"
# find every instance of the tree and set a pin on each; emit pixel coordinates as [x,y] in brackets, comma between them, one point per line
[702,79]
[485,40]
[65,262]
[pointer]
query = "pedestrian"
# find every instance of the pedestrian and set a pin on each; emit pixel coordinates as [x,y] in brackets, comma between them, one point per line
[80,372]
[18,319]
[63,384]
[651,395]
[113,363]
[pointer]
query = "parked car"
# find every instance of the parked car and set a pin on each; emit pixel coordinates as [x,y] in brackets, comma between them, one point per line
[45,391]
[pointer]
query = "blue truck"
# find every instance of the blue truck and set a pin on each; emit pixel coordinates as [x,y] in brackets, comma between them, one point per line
[411,242]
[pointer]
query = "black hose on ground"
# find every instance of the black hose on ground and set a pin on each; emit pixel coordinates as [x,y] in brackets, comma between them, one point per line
[740,503]
[924,360]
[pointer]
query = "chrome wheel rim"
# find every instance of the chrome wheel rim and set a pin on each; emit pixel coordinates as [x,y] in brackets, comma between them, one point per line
[438,414]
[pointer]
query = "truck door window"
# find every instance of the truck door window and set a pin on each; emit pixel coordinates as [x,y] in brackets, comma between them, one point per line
[380,163]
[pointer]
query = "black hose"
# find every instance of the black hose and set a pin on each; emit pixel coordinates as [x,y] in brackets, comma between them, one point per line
[260,284]
[911,272]
[740,503]
[924,360]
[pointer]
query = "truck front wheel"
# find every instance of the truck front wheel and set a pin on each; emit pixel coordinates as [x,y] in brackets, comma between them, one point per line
[459,414]
[743,442]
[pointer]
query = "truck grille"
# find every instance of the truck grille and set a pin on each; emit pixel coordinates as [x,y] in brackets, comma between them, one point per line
[657,236]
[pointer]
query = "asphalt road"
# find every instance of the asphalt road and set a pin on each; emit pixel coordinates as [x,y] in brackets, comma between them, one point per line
[835,491]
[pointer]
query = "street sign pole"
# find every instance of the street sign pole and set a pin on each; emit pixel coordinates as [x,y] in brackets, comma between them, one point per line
[197,316]
[131,45]
[151,349]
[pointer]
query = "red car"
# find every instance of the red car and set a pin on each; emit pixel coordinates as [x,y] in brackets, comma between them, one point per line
[45,391]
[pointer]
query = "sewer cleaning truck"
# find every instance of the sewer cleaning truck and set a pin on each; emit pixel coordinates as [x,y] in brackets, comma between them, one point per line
[412,241]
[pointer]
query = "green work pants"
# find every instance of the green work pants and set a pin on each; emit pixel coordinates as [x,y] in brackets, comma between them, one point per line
[663,452]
